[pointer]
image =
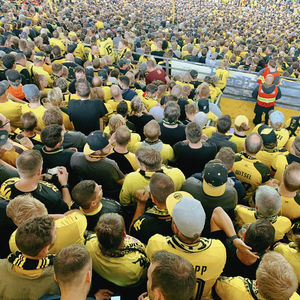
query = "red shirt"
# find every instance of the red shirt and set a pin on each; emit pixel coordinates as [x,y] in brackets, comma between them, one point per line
[157,74]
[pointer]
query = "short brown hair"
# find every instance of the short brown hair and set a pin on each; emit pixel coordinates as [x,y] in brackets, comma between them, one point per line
[161,186]
[53,115]
[69,262]
[291,177]
[149,157]
[34,234]
[152,130]
[28,163]
[110,232]
[123,135]
[29,121]
[23,207]
[226,155]
[83,193]
[173,275]
[193,132]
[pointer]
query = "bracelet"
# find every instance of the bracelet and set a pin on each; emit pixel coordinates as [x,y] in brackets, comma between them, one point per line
[66,186]
[234,237]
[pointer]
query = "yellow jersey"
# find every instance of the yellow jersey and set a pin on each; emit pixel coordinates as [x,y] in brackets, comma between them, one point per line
[290,207]
[207,256]
[38,111]
[12,111]
[127,267]
[69,231]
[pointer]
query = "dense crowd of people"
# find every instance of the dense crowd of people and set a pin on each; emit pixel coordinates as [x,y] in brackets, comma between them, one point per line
[121,180]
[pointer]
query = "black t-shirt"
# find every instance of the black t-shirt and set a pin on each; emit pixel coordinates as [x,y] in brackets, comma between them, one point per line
[151,222]
[190,160]
[59,157]
[7,227]
[85,114]
[234,267]
[45,192]
[108,206]
[140,122]
[123,161]
[172,135]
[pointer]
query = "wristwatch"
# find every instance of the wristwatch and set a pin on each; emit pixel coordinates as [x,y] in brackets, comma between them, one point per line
[234,237]
[66,186]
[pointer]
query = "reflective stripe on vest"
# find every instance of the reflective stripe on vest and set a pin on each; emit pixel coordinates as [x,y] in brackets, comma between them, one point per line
[265,99]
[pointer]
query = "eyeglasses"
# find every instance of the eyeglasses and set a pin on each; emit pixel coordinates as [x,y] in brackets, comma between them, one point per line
[7,121]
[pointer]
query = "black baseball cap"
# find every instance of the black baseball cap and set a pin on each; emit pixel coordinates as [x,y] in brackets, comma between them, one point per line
[203,105]
[96,140]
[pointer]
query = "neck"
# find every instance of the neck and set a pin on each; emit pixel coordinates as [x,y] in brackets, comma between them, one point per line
[34,104]
[27,184]
[118,99]
[160,206]
[88,158]
[74,292]
[121,149]
[221,133]
[195,145]
[91,209]
[284,192]
[3,99]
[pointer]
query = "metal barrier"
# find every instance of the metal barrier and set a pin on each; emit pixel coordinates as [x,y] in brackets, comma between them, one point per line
[240,84]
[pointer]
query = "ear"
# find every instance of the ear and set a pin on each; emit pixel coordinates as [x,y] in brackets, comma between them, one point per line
[88,277]
[157,294]
[55,278]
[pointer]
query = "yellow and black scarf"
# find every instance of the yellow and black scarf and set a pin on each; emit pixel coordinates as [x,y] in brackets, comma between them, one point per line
[19,260]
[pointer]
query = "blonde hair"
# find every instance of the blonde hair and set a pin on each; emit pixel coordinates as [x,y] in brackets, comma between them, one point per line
[23,207]
[152,130]
[137,105]
[276,278]
[115,122]
[55,96]
[203,90]
[123,135]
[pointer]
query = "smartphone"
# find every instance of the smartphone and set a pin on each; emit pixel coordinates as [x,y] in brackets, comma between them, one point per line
[115,298]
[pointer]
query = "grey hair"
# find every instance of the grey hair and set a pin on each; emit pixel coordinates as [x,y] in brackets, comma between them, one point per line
[268,201]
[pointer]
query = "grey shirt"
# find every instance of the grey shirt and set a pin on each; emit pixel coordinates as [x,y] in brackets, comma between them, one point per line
[104,171]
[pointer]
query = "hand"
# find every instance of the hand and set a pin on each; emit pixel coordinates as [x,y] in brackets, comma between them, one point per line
[103,294]
[26,142]
[274,183]
[73,149]
[112,139]
[143,296]
[62,175]
[244,249]
[204,137]
[142,196]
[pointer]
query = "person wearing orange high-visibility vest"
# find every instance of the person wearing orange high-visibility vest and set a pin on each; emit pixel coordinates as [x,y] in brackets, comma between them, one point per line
[270,69]
[266,95]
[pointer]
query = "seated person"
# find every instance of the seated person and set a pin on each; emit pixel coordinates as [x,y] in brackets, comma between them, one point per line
[192,155]
[147,222]
[73,272]
[126,160]
[170,277]
[226,155]
[172,131]
[275,279]
[291,251]
[29,167]
[288,190]
[94,165]
[150,163]
[117,257]
[259,236]
[30,271]
[70,228]
[32,95]
[87,194]
[241,124]
[29,125]
[214,191]
[269,150]
[72,139]
[152,133]
[267,206]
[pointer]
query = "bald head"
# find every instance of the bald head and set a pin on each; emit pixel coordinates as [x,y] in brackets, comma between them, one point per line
[115,91]
[269,79]
[70,57]
[253,143]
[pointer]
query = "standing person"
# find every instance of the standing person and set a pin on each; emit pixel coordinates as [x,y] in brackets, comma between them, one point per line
[266,95]
[155,73]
